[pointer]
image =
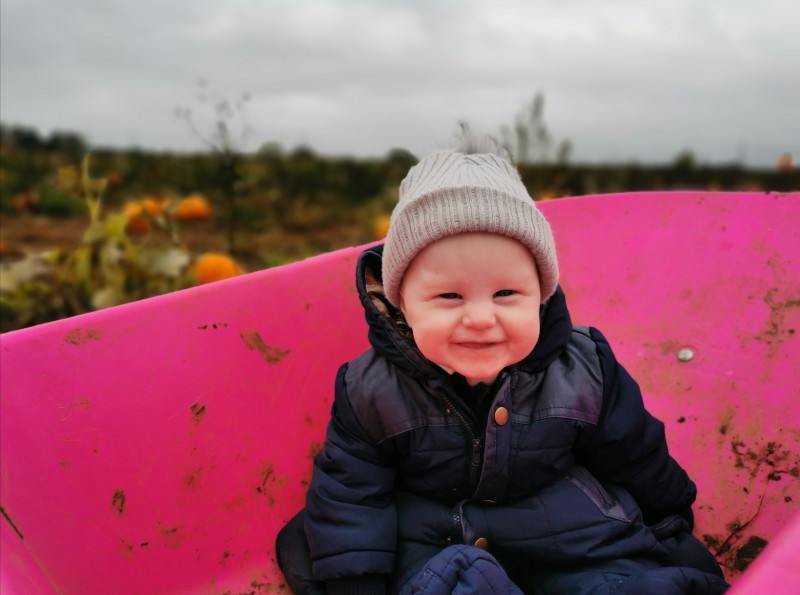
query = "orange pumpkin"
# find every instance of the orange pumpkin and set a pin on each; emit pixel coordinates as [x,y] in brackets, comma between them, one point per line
[547,194]
[132,209]
[380,227]
[155,206]
[211,267]
[137,226]
[195,206]
[24,201]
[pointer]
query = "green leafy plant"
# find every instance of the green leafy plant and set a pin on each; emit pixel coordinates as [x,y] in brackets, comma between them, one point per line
[108,268]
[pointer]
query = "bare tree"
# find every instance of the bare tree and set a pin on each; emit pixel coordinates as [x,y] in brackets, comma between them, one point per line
[229,131]
[530,140]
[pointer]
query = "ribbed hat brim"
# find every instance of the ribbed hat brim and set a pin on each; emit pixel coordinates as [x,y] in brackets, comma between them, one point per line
[454,210]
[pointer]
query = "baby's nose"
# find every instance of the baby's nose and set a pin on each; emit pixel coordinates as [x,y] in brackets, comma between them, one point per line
[479,316]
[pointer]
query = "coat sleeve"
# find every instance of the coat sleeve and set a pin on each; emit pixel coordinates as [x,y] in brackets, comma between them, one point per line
[351,520]
[628,445]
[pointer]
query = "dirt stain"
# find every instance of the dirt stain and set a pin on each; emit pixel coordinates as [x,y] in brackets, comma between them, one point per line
[127,548]
[712,541]
[264,475]
[725,420]
[270,484]
[254,342]
[192,479]
[776,331]
[79,336]
[748,552]
[171,536]
[773,455]
[214,325]
[315,449]
[668,347]
[260,587]
[119,504]
[198,412]
[733,556]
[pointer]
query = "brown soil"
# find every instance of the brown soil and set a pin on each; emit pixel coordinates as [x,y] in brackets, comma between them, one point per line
[27,233]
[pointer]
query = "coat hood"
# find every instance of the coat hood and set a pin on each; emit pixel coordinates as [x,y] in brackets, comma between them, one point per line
[387,328]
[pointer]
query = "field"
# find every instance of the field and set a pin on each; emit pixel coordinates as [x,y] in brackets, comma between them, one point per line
[80,233]
[26,233]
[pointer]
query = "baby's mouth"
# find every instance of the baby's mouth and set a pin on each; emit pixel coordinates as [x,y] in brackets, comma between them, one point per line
[476,345]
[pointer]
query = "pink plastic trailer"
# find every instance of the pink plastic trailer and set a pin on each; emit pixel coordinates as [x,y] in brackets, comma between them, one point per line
[158,447]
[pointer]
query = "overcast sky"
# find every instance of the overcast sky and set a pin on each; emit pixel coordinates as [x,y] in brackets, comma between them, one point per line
[623,79]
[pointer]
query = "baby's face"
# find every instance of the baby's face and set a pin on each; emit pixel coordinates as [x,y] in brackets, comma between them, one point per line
[472,301]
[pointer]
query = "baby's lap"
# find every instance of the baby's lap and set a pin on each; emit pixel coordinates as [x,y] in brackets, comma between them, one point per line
[467,570]
[455,570]
[666,580]
[430,569]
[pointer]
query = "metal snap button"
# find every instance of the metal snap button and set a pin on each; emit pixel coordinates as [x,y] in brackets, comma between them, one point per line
[501,416]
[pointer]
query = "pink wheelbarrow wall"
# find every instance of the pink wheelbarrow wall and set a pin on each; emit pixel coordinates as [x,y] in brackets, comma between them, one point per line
[158,447]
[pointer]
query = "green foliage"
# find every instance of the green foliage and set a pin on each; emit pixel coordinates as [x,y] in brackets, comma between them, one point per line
[249,215]
[60,204]
[401,156]
[685,161]
[107,269]
[270,149]
[27,138]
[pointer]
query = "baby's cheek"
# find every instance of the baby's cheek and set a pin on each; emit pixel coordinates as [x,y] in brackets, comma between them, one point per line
[430,346]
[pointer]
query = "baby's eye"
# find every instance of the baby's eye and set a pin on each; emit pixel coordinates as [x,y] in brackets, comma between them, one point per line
[504,293]
[448,296]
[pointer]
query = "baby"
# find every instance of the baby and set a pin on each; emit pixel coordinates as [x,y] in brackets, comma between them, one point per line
[484,444]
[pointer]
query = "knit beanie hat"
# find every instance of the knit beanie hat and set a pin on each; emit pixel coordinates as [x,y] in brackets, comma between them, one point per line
[472,188]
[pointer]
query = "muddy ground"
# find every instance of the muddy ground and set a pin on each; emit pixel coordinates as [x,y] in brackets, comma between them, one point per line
[28,233]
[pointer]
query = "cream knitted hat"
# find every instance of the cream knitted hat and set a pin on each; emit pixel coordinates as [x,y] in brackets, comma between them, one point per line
[473,187]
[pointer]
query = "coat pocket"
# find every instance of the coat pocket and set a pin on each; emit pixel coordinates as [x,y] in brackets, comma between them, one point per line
[610,506]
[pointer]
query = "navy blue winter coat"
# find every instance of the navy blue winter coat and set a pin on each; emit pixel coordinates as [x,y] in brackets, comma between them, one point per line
[408,468]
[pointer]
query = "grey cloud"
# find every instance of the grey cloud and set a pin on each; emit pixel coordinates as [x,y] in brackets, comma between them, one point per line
[623,79]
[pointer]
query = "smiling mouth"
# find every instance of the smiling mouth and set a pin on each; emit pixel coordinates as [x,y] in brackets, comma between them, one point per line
[477,346]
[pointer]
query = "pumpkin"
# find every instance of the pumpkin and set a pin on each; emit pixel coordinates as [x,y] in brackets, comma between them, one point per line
[212,266]
[132,209]
[380,227]
[155,206]
[138,225]
[195,206]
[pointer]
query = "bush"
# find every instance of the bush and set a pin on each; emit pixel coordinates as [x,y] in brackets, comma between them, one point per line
[59,204]
[109,267]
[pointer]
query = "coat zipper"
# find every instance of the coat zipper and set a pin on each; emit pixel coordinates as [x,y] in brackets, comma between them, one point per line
[476,441]
[475,470]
